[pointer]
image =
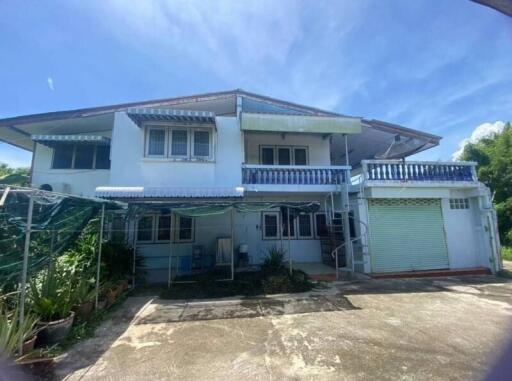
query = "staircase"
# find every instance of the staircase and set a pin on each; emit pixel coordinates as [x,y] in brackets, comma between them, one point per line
[338,248]
[333,239]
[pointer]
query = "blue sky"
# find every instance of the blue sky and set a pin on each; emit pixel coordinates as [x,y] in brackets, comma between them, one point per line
[440,66]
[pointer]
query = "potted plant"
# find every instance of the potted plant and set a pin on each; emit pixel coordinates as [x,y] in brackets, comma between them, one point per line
[110,291]
[51,298]
[84,295]
[11,332]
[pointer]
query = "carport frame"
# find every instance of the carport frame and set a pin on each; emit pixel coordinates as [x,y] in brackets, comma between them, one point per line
[232,205]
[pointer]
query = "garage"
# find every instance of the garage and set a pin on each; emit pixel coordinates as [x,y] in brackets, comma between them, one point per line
[407,235]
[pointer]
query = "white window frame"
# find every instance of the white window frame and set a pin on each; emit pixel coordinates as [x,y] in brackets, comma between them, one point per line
[461,203]
[169,129]
[263,227]
[177,230]
[311,226]
[157,227]
[150,127]
[192,143]
[275,153]
[300,147]
[273,148]
[152,239]
[170,134]
[293,223]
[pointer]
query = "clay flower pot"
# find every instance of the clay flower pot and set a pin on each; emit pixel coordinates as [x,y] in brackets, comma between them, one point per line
[111,296]
[28,345]
[84,309]
[53,332]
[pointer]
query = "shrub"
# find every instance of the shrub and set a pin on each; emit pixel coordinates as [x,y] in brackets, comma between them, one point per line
[11,331]
[51,294]
[117,261]
[273,262]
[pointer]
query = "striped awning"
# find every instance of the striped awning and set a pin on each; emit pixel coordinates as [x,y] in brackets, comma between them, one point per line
[167,192]
[142,115]
[51,140]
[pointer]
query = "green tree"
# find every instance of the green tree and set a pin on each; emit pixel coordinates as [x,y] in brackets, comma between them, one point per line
[13,176]
[494,158]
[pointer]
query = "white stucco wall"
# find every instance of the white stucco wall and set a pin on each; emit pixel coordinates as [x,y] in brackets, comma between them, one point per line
[247,229]
[318,147]
[81,182]
[131,168]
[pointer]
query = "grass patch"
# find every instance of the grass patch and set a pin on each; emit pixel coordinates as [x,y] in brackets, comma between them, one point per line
[251,283]
[506,253]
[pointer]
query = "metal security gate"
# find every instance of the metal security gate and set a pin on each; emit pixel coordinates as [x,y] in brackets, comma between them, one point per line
[407,235]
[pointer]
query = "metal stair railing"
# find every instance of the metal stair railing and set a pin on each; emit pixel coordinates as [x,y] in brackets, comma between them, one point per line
[335,255]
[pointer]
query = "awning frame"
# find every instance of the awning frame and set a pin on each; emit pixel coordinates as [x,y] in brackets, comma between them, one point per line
[52,140]
[142,116]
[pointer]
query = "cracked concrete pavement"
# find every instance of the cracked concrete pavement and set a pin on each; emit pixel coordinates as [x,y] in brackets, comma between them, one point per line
[408,329]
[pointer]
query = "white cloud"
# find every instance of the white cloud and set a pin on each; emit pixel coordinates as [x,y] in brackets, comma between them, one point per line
[50,83]
[482,131]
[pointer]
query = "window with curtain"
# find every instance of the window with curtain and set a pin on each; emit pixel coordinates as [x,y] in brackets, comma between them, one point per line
[156,142]
[201,143]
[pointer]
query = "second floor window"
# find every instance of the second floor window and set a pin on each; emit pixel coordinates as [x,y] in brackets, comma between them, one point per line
[283,155]
[81,156]
[179,143]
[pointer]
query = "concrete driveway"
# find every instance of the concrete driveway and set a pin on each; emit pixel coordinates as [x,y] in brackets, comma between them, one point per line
[424,329]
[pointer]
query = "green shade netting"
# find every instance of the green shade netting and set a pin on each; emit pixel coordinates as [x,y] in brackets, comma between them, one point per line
[57,221]
[215,208]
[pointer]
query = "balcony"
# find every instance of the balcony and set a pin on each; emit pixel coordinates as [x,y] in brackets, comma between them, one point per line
[293,177]
[419,171]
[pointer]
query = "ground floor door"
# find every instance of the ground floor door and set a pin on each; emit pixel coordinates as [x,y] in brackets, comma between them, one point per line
[406,235]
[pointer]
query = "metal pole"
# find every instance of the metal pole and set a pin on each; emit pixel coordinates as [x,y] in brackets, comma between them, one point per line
[134,269]
[98,265]
[289,247]
[232,244]
[26,248]
[169,274]
[347,161]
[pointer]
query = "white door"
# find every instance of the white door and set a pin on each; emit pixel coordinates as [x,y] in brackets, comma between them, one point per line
[460,233]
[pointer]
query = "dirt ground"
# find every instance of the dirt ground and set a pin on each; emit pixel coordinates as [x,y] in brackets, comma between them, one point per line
[424,329]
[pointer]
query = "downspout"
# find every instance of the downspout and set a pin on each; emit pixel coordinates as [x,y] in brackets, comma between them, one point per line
[488,219]
[32,165]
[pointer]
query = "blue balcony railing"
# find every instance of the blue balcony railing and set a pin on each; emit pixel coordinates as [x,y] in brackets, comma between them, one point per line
[294,174]
[397,170]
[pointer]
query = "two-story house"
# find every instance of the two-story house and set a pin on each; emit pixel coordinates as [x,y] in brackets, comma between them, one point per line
[216,179]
